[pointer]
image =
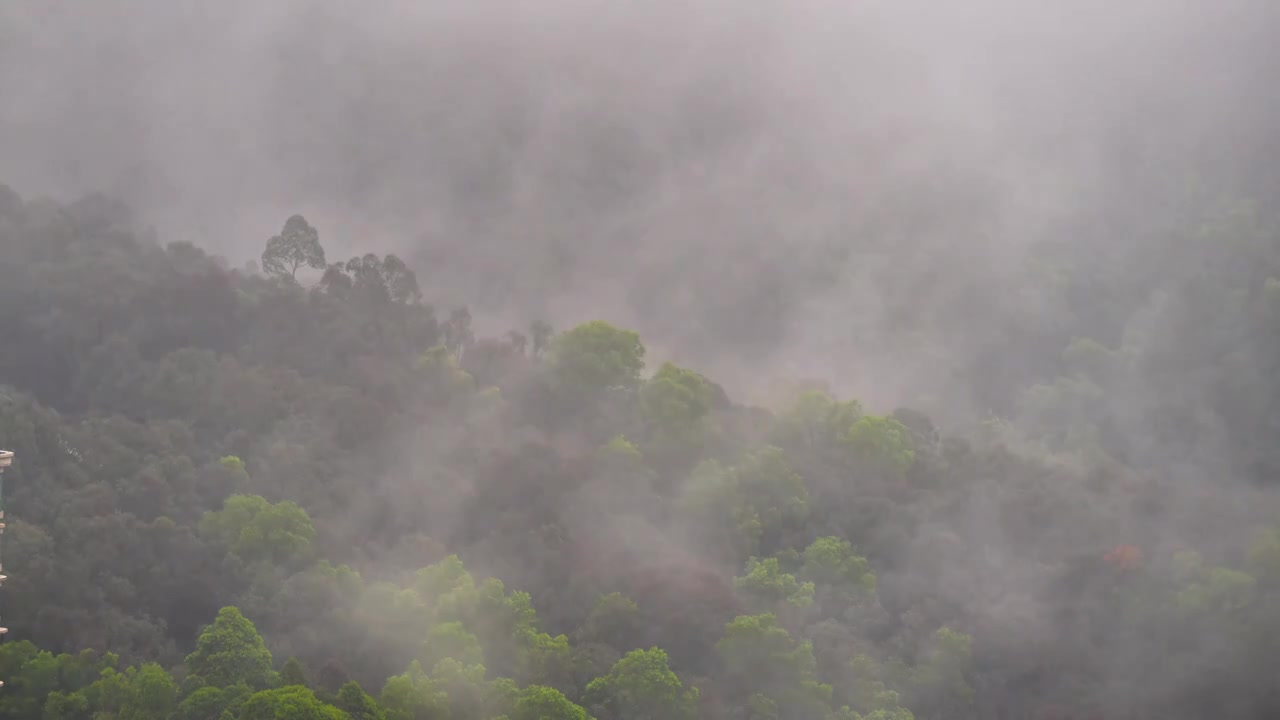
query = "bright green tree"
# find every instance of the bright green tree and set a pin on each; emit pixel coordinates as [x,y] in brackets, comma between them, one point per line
[288,703]
[231,651]
[884,441]
[641,686]
[597,355]
[832,561]
[260,531]
[150,694]
[538,702]
[766,587]
[213,703]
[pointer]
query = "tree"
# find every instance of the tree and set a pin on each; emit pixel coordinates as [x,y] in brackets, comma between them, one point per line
[292,673]
[151,695]
[537,702]
[766,587]
[297,245]
[401,282]
[614,621]
[817,421]
[213,703]
[774,499]
[940,684]
[293,702]
[412,696]
[231,651]
[676,403]
[676,397]
[259,531]
[832,561]
[466,688]
[373,281]
[356,703]
[884,441]
[451,640]
[642,686]
[540,332]
[597,355]
[66,706]
[457,330]
[763,665]
[756,652]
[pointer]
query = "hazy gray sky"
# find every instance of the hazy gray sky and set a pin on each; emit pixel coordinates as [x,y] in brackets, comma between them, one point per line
[834,178]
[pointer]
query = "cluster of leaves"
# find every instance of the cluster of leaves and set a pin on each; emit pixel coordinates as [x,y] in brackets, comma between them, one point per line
[335,461]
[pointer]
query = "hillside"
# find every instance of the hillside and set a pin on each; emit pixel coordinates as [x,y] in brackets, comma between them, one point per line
[238,494]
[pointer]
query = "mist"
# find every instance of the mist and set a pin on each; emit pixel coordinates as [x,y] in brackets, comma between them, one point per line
[816,188]
[1048,227]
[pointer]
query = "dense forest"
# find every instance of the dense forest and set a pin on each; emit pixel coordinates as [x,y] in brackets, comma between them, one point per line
[770,360]
[295,490]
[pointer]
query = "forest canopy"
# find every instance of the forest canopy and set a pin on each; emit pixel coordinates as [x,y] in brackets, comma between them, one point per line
[242,495]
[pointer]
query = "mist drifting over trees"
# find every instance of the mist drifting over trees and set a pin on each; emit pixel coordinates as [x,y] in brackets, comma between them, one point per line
[802,359]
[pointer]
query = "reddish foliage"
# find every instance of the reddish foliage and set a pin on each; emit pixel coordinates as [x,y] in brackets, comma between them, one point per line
[1124,557]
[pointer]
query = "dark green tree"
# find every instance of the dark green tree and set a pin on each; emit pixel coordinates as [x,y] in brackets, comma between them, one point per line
[297,245]
[292,673]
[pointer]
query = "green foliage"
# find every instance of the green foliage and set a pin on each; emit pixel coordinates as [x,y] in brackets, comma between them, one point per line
[543,703]
[884,441]
[641,685]
[749,507]
[150,694]
[293,702]
[676,397]
[676,403]
[469,695]
[438,581]
[1219,590]
[233,464]
[412,696]
[614,620]
[832,561]
[230,652]
[356,703]
[445,381]
[147,379]
[769,671]
[451,640]
[816,420]
[213,703]
[259,531]
[597,355]
[292,673]
[767,587]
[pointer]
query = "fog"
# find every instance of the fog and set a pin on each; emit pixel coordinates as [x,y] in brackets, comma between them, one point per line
[815,188]
[918,204]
